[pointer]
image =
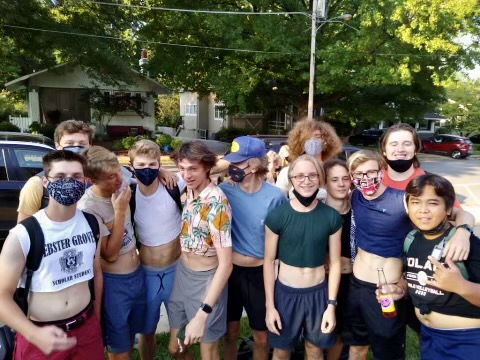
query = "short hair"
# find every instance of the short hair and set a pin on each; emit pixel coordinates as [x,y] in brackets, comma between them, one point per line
[302,131]
[382,144]
[316,164]
[195,151]
[62,155]
[443,188]
[362,156]
[329,164]
[261,163]
[99,161]
[146,148]
[72,127]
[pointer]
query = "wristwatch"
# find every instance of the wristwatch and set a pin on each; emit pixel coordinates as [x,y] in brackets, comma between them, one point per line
[332,302]
[466,227]
[206,308]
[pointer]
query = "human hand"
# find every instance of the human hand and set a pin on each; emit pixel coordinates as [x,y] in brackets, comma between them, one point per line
[51,338]
[167,178]
[458,247]
[274,324]
[445,278]
[195,328]
[121,199]
[328,320]
[397,291]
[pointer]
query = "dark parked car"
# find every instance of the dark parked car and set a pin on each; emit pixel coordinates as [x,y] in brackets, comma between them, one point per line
[366,137]
[19,160]
[453,145]
[273,142]
[31,138]
[475,138]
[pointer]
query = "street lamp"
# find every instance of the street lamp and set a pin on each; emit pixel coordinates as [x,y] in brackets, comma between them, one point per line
[339,19]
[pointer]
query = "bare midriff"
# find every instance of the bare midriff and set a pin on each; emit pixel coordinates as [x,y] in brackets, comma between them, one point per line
[162,255]
[346,265]
[199,262]
[366,265]
[442,321]
[297,277]
[125,263]
[246,261]
[59,305]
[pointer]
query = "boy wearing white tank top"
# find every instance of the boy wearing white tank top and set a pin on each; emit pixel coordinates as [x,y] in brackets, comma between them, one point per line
[157,220]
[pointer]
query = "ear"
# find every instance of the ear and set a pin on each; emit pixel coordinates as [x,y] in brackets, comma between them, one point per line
[58,146]
[44,181]
[405,204]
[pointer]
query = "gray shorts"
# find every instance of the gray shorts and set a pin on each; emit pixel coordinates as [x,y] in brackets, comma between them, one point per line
[189,290]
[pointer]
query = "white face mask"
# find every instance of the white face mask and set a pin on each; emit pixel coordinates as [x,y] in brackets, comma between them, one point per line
[313,147]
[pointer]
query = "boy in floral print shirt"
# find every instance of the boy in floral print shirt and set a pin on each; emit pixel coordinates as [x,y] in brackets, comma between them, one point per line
[198,300]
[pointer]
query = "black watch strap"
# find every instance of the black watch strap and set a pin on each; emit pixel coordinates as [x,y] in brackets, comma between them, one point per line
[332,302]
[206,308]
[466,227]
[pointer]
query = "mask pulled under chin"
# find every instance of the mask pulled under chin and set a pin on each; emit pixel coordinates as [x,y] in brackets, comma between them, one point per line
[305,200]
[368,187]
[436,230]
[400,165]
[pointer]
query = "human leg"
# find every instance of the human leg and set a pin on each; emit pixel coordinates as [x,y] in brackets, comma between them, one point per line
[234,314]
[313,352]
[281,354]
[230,340]
[209,351]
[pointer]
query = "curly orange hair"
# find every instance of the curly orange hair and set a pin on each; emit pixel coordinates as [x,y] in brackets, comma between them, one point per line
[302,131]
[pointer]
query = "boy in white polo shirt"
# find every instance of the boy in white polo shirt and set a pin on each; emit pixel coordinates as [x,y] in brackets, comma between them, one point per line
[157,220]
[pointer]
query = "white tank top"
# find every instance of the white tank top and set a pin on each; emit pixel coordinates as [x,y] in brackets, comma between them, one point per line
[68,256]
[157,217]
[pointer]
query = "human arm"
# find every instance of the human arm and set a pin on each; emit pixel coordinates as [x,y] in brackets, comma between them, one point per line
[458,247]
[335,270]
[30,200]
[167,178]
[220,167]
[272,319]
[196,327]
[48,338]
[98,279]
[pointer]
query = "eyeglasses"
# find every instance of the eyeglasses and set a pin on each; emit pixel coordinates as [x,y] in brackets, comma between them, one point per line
[301,177]
[370,174]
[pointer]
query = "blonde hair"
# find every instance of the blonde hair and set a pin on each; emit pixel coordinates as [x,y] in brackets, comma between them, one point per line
[302,131]
[146,148]
[261,163]
[316,164]
[360,157]
[99,161]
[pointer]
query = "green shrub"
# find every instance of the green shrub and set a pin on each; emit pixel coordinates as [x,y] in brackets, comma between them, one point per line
[127,142]
[8,126]
[176,143]
[117,144]
[47,130]
[163,140]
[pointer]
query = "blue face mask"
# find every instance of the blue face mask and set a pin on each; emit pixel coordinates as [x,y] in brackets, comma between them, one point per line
[146,175]
[66,192]
[75,149]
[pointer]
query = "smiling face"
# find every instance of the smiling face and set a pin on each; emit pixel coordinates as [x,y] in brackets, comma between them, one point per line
[195,174]
[338,182]
[305,178]
[400,146]
[427,210]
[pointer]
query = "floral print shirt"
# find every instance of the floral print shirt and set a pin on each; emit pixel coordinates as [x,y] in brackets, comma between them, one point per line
[206,222]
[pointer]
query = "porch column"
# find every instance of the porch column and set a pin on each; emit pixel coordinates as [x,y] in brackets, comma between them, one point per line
[33,104]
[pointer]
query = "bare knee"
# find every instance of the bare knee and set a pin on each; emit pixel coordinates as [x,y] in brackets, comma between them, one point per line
[260,338]
[358,352]
[280,354]
[233,331]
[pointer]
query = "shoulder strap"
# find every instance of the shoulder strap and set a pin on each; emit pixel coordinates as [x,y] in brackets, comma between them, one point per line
[176,196]
[133,203]
[93,223]
[460,264]
[409,240]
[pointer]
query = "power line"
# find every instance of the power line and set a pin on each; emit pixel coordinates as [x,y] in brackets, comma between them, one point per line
[150,41]
[200,11]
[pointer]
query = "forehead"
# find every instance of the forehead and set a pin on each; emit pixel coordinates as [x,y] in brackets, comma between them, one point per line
[113,170]
[66,167]
[304,166]
[186,163]
[316,133]
[337,170]
[400,136]
[429,192]
[74,137]
[368,165]
[144,159]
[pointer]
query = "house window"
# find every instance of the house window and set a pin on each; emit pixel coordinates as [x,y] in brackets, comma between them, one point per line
[191,109]
[124,101]
[219,112]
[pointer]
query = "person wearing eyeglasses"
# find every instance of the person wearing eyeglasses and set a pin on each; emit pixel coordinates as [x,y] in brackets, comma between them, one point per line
[301,300]
[381,227]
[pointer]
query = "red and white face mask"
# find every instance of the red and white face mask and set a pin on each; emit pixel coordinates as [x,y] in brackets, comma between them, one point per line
[368,186]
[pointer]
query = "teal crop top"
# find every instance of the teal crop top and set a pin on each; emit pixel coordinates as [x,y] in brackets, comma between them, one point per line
[303,237]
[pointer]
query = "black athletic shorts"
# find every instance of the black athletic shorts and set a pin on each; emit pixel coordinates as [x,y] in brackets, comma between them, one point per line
[364,323]
[342,300]
[246,290]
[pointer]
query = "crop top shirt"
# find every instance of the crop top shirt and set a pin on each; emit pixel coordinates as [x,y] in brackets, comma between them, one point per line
[428,298]
[303,236]
[381,223]
[68,256]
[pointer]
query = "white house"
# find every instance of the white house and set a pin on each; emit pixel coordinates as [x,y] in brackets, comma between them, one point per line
[57,94]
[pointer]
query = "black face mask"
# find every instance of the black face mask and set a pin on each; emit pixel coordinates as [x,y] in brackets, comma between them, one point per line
[400,165]
[437,229]
[305,201]
[237,174]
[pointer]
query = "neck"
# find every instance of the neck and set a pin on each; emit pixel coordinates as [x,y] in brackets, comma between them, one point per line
[150,189]
[377,194]
[59,213]
[341,205]
[400,176]
[201,187]
[251,185]
[297,205]
[102,193]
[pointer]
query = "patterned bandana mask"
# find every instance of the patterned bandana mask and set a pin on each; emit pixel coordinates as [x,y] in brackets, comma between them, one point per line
[66,192]
[368,186]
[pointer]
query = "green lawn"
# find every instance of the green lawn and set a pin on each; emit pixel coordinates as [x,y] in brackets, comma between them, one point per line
[163,354]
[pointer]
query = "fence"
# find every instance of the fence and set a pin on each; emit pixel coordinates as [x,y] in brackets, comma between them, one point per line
[22,122]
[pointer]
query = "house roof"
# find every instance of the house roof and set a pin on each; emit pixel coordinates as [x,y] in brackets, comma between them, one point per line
[22,82]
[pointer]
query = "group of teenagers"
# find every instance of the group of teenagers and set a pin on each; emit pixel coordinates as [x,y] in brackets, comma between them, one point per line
[300,256]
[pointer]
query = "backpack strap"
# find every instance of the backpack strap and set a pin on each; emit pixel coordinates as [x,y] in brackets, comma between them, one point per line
[34,256]
[176,196]
[93,223]
[133,203]
[409,240]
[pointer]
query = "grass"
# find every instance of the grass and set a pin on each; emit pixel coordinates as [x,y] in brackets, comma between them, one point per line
[412,352]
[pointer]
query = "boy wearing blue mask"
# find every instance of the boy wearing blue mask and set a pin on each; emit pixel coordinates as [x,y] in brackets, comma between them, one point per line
[157,219]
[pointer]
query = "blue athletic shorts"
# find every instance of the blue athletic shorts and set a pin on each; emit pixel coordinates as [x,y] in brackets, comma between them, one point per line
[457,344]
[301,311]
[123,309]
[159,285]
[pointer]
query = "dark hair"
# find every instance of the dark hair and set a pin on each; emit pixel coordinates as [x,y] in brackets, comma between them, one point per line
[442,187]
[329,164]
[72,127]
[399,127]
[62,155]
[195,151]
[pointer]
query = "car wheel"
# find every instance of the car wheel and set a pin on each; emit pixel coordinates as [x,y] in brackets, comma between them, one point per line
[456,154]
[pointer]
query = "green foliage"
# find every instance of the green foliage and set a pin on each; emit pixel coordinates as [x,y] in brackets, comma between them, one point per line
[47,130]
[168,109]
[176,143]
[9,105]
[127,142]
[118,144]
[230,133]
[8,126]
[164,140]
